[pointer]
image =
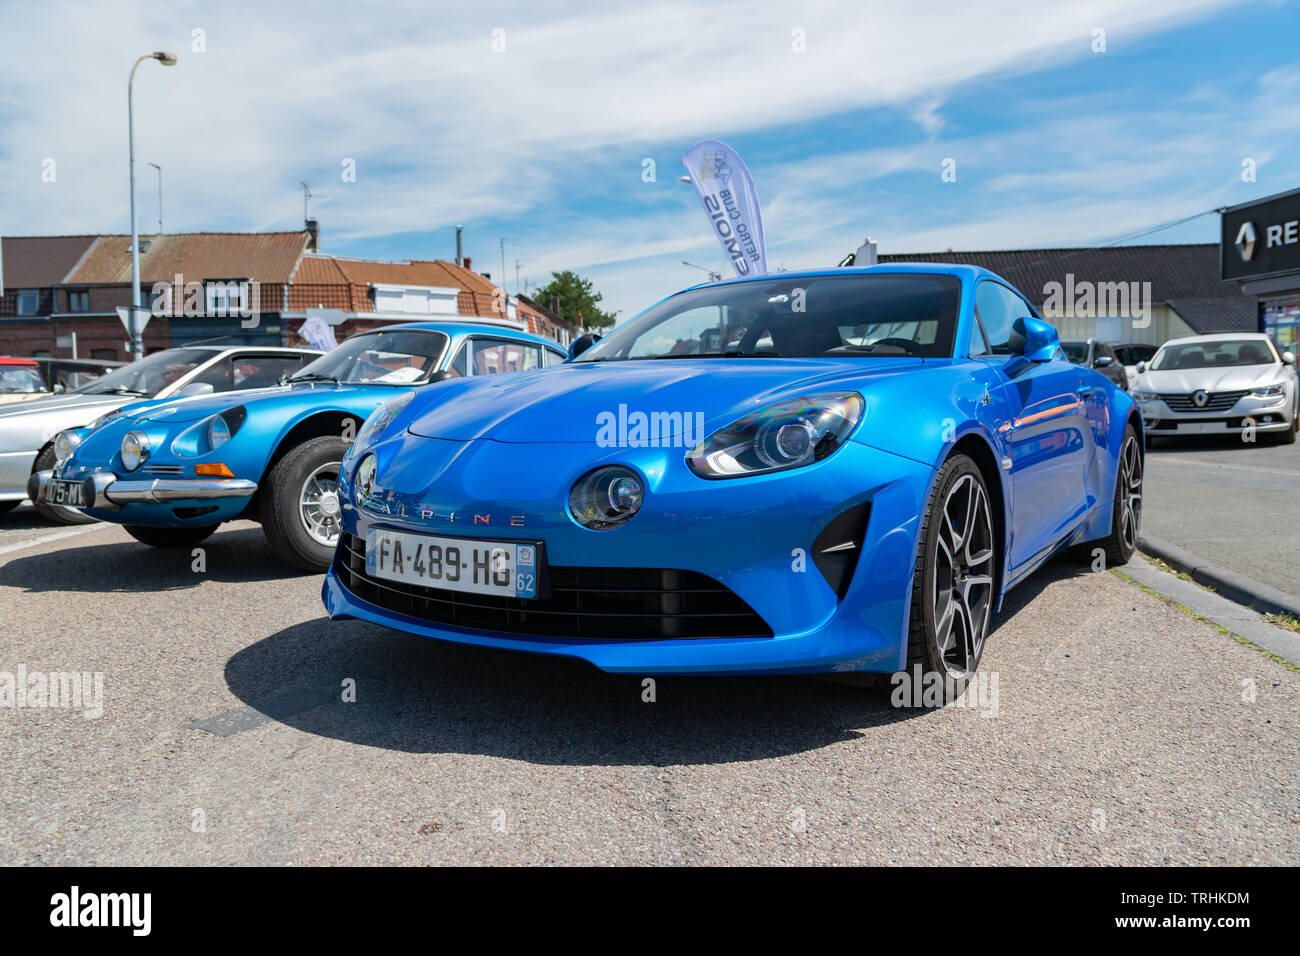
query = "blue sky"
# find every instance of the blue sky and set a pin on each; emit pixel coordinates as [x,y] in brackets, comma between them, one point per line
[542,142]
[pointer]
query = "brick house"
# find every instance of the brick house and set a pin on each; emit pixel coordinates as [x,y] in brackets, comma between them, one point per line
[205,287]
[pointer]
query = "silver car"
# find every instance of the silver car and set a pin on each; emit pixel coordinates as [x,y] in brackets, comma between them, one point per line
[1232,383]
[28,430]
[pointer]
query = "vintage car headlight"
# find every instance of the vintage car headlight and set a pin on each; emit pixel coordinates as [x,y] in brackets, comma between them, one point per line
[135,449]
[1269,391]
[65,443]
[379,420]
[209,434]
[606,498]
[789,434]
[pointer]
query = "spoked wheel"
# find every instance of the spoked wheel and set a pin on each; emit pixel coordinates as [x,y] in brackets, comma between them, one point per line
[318,504]
[299,503]
[953,584]
[1126,515]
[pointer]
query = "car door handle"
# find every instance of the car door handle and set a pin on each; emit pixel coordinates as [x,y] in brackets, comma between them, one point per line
[1085,391]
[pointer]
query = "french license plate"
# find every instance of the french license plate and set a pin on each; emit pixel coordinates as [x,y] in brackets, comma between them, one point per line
[502,568]
[60,492]
[1203,428]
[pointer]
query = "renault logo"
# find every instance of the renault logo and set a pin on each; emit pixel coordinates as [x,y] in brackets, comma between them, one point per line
[1199,398]
[1246,241]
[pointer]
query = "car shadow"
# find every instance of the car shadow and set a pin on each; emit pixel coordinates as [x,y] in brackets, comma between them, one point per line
[26,518]
[234,555]
[423,696]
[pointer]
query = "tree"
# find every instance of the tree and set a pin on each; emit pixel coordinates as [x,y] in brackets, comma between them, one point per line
[574,299]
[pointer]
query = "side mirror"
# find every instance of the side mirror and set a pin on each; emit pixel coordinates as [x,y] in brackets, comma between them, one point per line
[1101,361]
[1288,358]
[1141,367]
[194,388]
[582,343]
[1034,339]
[441,376]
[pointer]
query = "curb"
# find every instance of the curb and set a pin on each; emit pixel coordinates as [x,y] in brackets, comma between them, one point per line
[1236,587]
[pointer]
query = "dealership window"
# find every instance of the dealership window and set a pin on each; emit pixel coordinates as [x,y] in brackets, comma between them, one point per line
[78,301]
[28,301]
[1282,322]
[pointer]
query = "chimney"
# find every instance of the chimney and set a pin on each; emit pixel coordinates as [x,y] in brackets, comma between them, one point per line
[313,235]
[465,262]
[460,250]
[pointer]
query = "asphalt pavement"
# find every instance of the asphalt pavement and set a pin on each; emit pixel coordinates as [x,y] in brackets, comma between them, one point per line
[1235,503]
[1119,730]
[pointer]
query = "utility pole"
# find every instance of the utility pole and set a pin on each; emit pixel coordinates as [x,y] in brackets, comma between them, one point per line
[518,263]
[503,262]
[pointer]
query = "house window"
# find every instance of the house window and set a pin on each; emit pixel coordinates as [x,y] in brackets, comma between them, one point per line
[28,301]
[78,301]
[226,297]
[42,353]
[109,355]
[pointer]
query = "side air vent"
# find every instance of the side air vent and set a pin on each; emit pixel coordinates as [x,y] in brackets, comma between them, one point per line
[836,550]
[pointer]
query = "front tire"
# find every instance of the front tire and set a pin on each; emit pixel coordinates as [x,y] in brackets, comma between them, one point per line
[58,514]
[300,507]
[1288,437]
[953,585]
[169,537]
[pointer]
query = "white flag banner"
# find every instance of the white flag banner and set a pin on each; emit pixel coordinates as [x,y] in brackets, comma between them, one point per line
[724,185]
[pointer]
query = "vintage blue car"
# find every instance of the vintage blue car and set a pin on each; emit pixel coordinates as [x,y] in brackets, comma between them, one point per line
[830,471]
[172,471]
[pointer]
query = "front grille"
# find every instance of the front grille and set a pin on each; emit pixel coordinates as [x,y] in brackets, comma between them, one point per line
[162,471]
[606,604]
[1217,402]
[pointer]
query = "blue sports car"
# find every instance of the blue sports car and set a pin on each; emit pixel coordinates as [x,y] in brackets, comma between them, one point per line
[172,471]
[832,471]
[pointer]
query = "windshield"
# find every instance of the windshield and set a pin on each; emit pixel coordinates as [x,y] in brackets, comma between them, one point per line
[1132,354]
[398,357]
[1076,352]
[890,315]
[1221,354]
[148,376]
[20,378]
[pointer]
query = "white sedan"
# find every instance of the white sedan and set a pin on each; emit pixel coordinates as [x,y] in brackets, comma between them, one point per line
[1232,383]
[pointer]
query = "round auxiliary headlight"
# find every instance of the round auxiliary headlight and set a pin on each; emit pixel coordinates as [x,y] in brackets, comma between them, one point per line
[218,433]
[135,449]
[365,480]
[64,445]
[606,498]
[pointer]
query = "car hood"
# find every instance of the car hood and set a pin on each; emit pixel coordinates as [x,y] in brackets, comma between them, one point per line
[1233,379]
[54,403]
[571,403]
[193,408]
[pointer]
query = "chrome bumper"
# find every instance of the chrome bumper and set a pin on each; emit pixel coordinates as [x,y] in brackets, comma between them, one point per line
[108,492]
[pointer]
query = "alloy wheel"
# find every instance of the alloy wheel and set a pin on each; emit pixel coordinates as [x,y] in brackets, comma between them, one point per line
[1130,492]
[963,577]
[319,505]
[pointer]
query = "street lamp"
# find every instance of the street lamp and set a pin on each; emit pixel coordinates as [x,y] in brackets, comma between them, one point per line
[136,327]
[159,168]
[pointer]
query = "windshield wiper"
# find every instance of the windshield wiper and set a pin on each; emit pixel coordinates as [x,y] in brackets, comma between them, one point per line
[877,348]
[121,390]
[313,377]
[736,353]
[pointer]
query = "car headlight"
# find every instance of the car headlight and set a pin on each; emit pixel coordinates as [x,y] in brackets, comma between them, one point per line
[1269,391]
[65,443]
[209,434]
[1142,395]
[379,420]
[134,451]
[606,498]
[364,483]
[789,434]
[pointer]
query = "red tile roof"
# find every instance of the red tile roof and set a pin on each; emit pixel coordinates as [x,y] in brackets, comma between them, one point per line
[260,256]
[342,283]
